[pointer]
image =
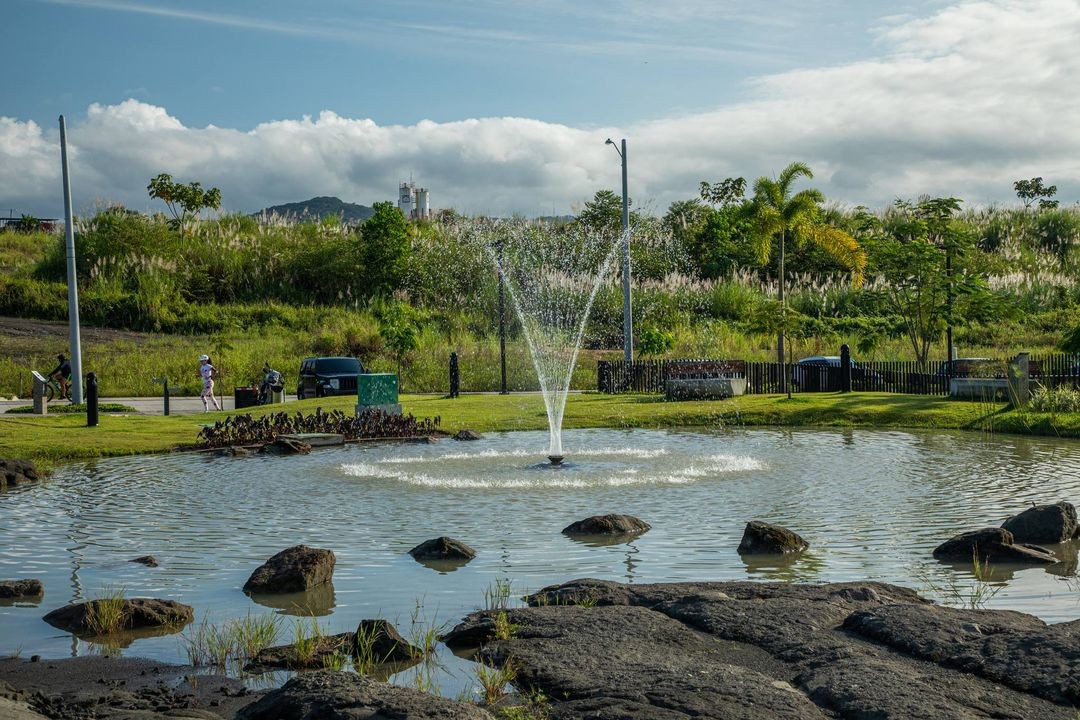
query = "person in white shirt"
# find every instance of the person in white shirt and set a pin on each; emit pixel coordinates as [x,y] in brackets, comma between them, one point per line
[207,372]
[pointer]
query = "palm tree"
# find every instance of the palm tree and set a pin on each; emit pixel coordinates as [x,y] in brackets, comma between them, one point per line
[779,214]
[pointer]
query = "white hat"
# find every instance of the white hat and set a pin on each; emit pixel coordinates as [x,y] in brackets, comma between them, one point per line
[204,358]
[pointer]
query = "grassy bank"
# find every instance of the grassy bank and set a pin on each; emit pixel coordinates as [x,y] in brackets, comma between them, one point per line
[55,440]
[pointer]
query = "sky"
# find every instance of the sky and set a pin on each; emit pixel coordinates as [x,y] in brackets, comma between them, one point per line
[503,106]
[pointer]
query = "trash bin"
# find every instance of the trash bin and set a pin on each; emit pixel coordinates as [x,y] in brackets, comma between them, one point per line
[245,397]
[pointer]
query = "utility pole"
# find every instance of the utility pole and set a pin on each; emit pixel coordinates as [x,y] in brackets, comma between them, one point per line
[628,323]
[73,289]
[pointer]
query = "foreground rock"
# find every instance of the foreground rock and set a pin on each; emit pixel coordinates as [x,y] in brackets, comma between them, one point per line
[1044,524]
[993,545]
[147,560]
[762,538]
[607,525]
[134,614]
[345,696]
[12,589]
[294,569]
[749,651]
[468,435]
[109,688]
[443,548]
[17,472]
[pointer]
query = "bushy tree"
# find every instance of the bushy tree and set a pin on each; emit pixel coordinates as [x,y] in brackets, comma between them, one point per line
[183,201]
[400,330]
[1030,191]
[604,213]
[385,249]
[654,342]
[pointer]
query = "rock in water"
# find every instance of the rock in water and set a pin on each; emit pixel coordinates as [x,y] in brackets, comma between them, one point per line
[762,538]
[21,588]
[325,695]
[295,569]
[443,548]
[607,525]
[993,545]
[17,472]
[468,435]
[135,614]
[147,560]
[1044,524]
[387,645]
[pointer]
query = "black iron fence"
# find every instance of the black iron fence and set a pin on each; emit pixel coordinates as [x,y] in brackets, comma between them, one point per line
[905,377]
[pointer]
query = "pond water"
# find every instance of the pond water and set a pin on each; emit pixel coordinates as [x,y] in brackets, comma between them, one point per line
[872,504]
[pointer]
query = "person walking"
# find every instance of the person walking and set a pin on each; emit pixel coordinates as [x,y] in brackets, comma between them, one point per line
[207,371]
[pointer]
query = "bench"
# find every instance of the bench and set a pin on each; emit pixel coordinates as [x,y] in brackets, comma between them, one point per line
[704,379]
[979,388]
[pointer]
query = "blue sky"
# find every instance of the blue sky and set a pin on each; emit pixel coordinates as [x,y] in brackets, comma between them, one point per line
[503,107]
[583,63]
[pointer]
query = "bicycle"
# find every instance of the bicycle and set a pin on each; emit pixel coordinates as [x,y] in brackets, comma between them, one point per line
[53,390]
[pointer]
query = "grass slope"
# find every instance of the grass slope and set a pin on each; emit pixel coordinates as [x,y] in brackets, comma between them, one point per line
[52,440]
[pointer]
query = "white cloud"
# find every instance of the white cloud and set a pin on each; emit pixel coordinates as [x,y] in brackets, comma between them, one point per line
[960,103]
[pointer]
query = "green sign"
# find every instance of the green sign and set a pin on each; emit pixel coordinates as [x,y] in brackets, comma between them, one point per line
[377,389]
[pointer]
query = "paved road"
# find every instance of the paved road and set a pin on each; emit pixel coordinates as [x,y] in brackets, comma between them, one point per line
[147,406]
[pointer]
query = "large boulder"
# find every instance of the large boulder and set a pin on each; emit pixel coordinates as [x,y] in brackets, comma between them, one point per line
[135,614]
[17,472]
[1044,524]
[335,695]
[994,545]
[10,589]
[443,548]
[762,538]
[385,643]
[607,525]
[294,569]
[286,446]
[467,435]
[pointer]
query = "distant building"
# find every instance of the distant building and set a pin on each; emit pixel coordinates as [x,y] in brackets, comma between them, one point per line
[413,201]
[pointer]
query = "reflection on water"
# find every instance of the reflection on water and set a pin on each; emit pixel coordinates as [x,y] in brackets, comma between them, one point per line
[871,503]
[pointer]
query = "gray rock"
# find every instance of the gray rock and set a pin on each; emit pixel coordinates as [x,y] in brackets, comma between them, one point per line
[1006,647]
[294,569]
[286,656]
[147,560]
[443,548]
[993,545]
[762,538]
[29,588]
[17,472]
[468,435]
[136,614]
[1044,524]
[749,650]
[346,696]
[607,525]
[11,709]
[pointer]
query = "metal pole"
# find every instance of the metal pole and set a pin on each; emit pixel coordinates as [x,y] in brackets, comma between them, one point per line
[628,323]
[73,290]
[502,323]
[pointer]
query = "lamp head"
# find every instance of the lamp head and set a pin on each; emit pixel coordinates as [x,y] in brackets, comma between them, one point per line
[609,141]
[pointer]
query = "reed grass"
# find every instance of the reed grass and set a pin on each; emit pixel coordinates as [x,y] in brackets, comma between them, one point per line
[497,594]
[494,680]
[105,614]
[236,640]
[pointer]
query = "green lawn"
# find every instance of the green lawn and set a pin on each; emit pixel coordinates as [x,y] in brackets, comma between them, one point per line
[52,440]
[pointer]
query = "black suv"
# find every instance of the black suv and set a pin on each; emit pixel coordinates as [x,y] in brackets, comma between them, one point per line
[321,376]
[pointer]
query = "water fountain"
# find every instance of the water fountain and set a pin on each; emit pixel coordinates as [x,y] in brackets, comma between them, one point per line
[552,275]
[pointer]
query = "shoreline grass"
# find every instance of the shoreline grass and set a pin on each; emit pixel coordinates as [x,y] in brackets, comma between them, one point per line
[54,440]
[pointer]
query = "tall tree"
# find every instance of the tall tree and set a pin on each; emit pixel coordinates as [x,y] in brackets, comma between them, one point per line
[385,250]
[1033,190]
[778,214]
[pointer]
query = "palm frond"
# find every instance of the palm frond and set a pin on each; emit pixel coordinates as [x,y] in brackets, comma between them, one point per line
[841,246]
[793,171]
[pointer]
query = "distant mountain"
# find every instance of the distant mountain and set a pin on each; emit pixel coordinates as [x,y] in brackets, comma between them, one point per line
[320,207]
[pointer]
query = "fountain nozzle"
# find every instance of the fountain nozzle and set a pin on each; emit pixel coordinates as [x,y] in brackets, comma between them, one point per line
[556,460]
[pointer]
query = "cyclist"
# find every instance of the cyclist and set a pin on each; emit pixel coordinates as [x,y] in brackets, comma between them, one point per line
[62,374]
[207,372]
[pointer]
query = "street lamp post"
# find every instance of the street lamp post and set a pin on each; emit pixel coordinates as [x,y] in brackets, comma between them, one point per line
[628,323]
[73,290]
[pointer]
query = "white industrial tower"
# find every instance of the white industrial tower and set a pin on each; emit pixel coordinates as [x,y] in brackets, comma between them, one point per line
[413,201]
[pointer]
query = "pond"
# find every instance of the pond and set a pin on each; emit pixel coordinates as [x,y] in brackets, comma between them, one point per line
[873,504]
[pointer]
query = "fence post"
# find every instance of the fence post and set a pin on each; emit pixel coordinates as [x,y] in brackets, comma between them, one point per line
[455,376]
[845,368]
[91,400]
